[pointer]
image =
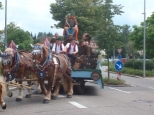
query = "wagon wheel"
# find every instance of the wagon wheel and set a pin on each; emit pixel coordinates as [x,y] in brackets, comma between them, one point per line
[79,89]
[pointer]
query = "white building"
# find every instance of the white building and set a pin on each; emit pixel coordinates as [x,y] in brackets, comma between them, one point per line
[2,37]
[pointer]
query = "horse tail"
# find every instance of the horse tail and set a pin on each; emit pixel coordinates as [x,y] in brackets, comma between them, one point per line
[65,85]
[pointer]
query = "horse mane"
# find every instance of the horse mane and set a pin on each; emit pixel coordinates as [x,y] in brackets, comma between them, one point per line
[10,51]
[45,49]
[3,86]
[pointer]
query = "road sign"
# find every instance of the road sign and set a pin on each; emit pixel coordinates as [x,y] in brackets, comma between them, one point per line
[119,50]
[118,65]
[119,56]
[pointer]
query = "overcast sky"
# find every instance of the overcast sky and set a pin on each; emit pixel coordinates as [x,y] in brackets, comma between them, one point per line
[34,15]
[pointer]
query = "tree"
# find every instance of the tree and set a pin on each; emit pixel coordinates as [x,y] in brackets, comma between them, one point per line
[1,6]
[108,32]
[12,27]
[19,36]
[137,36]
[84,10]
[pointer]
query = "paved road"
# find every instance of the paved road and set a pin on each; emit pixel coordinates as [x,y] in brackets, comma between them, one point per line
[135,100]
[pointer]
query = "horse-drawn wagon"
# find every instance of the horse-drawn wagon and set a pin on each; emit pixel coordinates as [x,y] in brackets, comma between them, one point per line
[91,72]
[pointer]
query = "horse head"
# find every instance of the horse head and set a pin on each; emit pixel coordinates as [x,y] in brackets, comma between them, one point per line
[39,54]
[7,60]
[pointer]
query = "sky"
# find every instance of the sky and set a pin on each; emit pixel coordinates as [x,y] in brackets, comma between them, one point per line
[34,15]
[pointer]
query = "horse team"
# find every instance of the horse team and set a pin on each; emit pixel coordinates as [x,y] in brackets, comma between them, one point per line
[40,65]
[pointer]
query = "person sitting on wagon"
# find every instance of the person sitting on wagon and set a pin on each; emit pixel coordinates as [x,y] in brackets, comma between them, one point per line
[86,37]
[83,48]
[58,47]
[70,23]
[72,50]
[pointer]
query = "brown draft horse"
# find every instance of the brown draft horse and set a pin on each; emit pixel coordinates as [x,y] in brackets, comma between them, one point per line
[2,92]
[17,65]
[47,69]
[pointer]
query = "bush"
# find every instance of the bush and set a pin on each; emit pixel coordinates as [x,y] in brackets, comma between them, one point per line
[132,71]
[149,64]
[129,63]
[138,64]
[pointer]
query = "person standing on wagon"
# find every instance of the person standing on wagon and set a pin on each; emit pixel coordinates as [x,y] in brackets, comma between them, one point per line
[58,47]
[72,50]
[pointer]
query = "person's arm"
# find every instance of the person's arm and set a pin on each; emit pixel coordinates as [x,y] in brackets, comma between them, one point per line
[76,49]
[63,48]
[53,48]
[67,46]
[88,50]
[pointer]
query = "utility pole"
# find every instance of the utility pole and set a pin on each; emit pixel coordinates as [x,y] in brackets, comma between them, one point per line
[144,41]
[5,24]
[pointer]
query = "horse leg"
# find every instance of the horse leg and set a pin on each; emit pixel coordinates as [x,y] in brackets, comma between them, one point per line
[38,88]
[8,92]
[36,83]
[20,95]
[29,93]
[46,98]
[68,86]
[56,90]
[2,103]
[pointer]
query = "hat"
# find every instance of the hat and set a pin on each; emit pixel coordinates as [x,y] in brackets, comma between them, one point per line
[58,39]
[72,39]
[81,42]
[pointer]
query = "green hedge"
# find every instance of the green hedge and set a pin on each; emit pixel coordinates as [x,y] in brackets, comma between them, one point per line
[136,72]
[138,64]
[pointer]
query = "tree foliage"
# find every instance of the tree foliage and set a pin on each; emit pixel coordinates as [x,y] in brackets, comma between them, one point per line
[137,36]
[19,36]
[1,6]
[94,17]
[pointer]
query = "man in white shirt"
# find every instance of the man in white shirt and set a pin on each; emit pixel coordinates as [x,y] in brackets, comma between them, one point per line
[58,47]
[72,50]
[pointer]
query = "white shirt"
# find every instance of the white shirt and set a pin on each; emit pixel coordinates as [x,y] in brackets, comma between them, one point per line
[57,49]
[72,48]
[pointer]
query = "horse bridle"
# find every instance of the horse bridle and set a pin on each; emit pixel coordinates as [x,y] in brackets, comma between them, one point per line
[37,50]
[6,59]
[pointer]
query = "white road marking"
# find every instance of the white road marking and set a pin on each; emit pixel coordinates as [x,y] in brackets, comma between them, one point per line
[119,90]
[61,96]
[77,104]
[151,87]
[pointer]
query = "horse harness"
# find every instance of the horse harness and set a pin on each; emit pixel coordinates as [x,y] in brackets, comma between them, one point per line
[15,63]
[51,60]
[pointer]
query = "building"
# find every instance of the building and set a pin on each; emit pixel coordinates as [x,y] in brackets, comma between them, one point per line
[2,37]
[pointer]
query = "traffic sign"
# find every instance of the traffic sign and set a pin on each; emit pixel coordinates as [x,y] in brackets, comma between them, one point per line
[119,56]
[118,65]
[119,50]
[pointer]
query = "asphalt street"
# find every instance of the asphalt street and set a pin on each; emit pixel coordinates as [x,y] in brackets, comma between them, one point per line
[136,99]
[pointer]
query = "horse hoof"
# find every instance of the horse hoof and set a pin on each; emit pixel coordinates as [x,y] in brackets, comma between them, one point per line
[4,107]
[18,99]
[45,101]
[53,97]
[39,92]
[69,96]
[28,96]
[11,94]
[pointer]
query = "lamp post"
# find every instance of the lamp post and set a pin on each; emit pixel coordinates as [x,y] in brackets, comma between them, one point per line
[5,23]
[144,41]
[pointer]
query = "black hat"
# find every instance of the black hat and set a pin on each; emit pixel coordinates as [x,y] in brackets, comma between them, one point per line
[58,39]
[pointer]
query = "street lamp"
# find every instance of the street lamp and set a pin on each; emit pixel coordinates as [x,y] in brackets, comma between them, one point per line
[5,24]
[144,41]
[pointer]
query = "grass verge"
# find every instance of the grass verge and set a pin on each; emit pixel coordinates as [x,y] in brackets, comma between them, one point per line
[113,81]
